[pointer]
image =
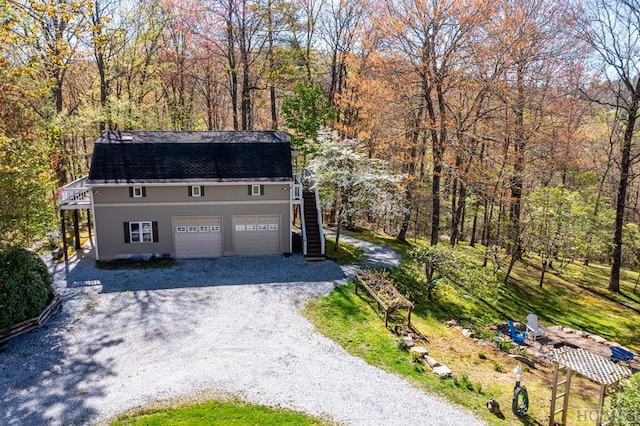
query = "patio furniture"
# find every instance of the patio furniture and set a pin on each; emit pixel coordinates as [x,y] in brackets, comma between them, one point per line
[517,336]
[534,329]
[620,354]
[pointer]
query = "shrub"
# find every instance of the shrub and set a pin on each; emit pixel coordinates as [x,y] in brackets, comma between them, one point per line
[625,402]
[25,286]
[482,355]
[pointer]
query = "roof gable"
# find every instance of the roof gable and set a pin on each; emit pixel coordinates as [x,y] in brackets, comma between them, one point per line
[166,157]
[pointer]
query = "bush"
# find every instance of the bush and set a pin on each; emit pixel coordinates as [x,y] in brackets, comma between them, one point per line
[625,402]
[25,286]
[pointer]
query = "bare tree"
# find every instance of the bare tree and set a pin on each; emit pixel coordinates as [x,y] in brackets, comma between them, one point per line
[612,29]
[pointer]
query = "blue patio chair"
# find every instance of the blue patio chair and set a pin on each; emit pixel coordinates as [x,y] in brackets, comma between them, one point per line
[517,336]
[619,354]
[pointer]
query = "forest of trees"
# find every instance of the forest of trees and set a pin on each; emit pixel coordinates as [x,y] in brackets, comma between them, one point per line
[510,123]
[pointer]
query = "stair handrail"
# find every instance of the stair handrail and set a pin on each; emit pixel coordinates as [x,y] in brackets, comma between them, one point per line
[306,175]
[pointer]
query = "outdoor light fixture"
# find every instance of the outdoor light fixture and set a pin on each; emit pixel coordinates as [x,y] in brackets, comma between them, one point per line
[518,372]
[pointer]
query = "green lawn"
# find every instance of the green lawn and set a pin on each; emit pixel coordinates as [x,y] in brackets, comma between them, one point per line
[217,413]
[576,297]
[346,254]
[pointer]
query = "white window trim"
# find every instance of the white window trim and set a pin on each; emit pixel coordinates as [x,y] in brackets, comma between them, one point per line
[137,193]
[255,189]
[140,233]
[196,191]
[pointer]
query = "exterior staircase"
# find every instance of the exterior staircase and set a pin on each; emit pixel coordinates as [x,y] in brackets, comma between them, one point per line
[311,226]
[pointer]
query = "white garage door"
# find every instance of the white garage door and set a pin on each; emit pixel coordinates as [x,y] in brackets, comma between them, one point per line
[197,236]
[256,235]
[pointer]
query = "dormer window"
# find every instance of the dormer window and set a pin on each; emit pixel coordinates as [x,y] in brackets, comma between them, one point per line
[137,191]
[196,191]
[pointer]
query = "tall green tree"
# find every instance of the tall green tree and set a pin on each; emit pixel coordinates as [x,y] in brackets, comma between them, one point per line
[305,112]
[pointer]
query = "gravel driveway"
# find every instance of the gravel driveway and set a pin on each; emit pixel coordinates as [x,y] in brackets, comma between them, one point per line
[204,328]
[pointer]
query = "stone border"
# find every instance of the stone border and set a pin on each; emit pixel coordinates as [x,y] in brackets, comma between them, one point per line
[26,326]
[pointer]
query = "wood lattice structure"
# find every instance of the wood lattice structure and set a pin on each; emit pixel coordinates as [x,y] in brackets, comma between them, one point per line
[594,367]
[384,292]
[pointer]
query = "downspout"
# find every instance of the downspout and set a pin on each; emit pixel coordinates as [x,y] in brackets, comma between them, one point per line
[95,230]
[291,186]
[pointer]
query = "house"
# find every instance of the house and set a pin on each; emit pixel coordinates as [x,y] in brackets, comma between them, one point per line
[195,195]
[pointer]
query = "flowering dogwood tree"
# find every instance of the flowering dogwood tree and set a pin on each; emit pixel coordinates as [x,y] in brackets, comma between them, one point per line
[359,185]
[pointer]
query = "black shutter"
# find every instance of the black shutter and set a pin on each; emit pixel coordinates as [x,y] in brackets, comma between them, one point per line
[154,229]
[144,191]
[190,191]
[261,189]
[131,191]
[202,191]
[127,234]
[250,193]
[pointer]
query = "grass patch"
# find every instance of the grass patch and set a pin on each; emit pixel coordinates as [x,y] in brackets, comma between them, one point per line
[217,413]
[356,324]
[346,254]
[576,297]
[152,263]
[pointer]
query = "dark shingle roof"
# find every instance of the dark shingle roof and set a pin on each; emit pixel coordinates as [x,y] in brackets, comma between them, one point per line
[147,157]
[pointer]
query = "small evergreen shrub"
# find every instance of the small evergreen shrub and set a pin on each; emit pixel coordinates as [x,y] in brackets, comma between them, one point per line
[25,286]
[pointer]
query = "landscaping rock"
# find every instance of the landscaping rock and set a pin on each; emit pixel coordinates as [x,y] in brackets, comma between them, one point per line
[523,359]
[467,333]
[420,350]
[582,334]
[452,323]
[401,330]
[568,330]
[597,339]
[431,362]
[611,344]
[408,341]
[442,372]
[458,328]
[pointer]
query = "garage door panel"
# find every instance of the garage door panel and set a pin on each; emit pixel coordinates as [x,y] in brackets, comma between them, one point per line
[256,234]
[197,236]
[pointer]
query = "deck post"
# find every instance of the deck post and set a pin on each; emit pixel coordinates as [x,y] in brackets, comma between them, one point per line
[600,404]
[89,222]
[76,229]
[64,235]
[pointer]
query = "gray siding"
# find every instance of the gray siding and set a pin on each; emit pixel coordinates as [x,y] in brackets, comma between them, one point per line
[113,207]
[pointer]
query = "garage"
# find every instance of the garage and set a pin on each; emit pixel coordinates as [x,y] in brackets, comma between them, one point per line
[255,235]
[197,236]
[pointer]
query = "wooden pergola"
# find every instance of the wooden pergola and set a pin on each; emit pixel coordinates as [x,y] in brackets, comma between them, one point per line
[594,367]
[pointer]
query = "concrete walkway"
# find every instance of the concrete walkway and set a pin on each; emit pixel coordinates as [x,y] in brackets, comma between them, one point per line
[216,328]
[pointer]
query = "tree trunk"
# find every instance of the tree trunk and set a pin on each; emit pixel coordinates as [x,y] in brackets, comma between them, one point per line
[406,218]
[518,166]
[544,269]
[472,241]
[233,70]
[625,166]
